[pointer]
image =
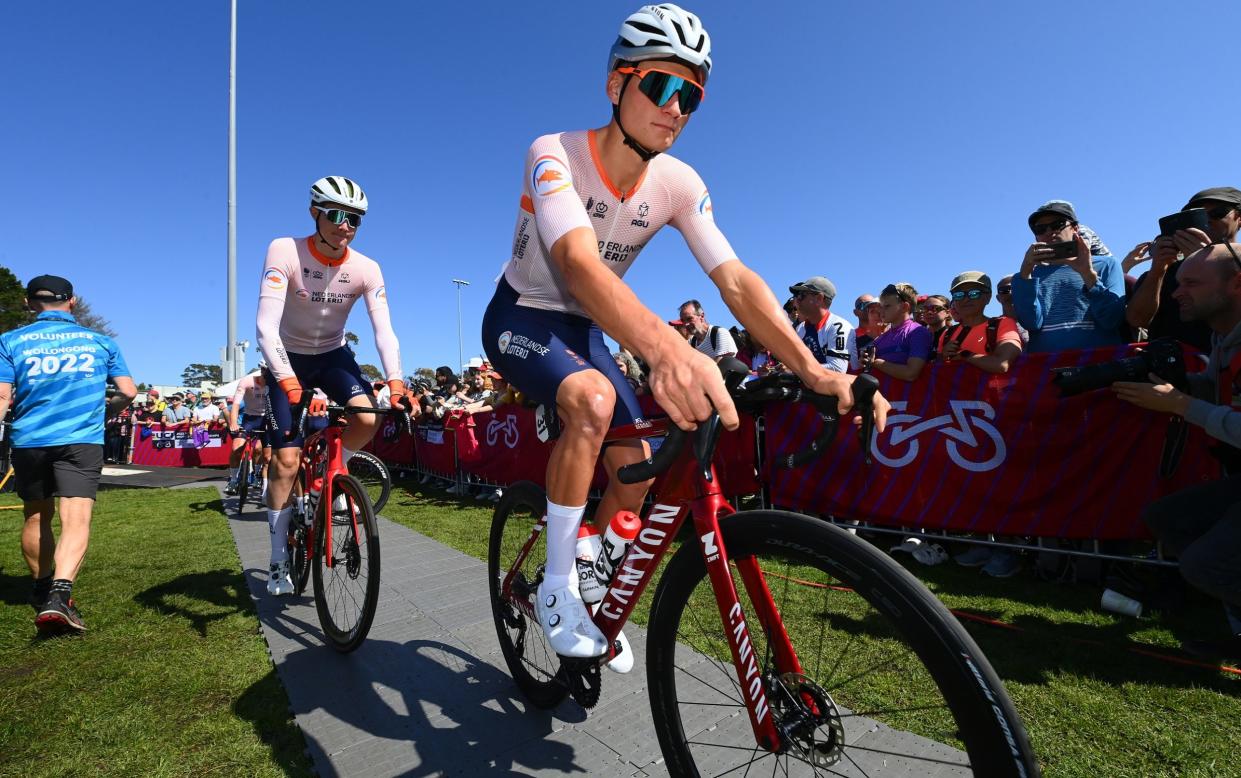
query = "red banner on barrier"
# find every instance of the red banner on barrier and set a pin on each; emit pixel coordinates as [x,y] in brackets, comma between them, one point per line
[504,447]
[175,447]
[970,451]
[391,443]
[433,449]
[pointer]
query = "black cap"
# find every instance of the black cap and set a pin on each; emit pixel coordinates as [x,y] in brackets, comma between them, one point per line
[49,288]
[1219,194]
[1058,207]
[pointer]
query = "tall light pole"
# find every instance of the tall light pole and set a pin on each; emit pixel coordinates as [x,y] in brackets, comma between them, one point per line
[231,369]
[460,357]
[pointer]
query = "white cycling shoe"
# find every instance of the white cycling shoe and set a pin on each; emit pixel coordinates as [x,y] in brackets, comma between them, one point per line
[567,624]
[280,582]
[623,661]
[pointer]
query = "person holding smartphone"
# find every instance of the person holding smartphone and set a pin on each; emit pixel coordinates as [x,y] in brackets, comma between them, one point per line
[1066,295]
[1152,305]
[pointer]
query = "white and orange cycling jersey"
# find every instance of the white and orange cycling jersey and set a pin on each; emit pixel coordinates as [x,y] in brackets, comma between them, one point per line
[566,188]
[305,299]
[253,398]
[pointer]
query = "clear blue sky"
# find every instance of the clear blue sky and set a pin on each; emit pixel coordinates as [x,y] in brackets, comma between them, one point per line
[868,142]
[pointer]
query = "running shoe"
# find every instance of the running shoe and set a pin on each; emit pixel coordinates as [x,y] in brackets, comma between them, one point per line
[59,614]
[231,487]
[976,556]
[1003,564]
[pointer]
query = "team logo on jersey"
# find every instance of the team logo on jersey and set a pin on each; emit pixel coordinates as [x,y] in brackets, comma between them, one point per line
[506,337]
[704,205]
[302,293]
[643,210]
[343,278]
[549,176]
[274,279]
[641,221]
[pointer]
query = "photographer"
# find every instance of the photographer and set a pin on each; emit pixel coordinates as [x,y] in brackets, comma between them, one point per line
[1152,305]
[1070,292]
[1202,524]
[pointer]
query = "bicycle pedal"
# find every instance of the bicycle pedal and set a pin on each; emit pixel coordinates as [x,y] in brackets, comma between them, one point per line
[584,679]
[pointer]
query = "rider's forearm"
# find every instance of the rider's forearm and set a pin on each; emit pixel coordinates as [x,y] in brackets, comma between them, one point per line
[386,343]
[754,305]
[609,302]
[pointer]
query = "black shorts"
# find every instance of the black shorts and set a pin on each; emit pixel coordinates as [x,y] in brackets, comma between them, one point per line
[336,372]
[65,471]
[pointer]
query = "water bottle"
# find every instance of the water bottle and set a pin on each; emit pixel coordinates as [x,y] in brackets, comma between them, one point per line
[588,546]
[615,544]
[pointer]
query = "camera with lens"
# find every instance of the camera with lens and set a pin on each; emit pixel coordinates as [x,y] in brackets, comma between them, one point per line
[1163,357]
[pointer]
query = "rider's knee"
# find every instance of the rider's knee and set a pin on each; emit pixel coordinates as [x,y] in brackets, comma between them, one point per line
[586,402]
[286,458]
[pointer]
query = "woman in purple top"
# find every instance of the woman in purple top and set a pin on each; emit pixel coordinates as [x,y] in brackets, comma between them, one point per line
[905,348]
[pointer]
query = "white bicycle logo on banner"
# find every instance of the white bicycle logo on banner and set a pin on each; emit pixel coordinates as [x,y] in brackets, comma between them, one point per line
[960,428]
[508,427]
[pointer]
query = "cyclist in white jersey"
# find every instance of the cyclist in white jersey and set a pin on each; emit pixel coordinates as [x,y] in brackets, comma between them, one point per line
[590,203]
[309,285]
[251,395]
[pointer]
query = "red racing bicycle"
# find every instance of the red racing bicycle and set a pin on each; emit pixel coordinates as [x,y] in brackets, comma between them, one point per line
[775,641]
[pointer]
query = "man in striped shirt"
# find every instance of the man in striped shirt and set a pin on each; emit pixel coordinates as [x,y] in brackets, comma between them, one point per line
[54,373]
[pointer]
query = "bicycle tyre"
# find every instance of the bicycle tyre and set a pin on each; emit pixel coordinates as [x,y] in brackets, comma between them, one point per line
[373,474]
[811,562]
[532,663]
[299,553]
[243,481]
[344,614]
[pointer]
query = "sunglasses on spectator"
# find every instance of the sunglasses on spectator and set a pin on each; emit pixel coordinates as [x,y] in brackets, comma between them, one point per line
[972,294]
[1004,290]
[660,86]
[337,216]
[1232,251]
[1220,212]
[1043,229]
[933,309]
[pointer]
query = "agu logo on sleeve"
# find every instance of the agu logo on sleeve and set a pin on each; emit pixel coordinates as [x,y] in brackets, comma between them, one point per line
[274,279]
[704,205]
[549,176]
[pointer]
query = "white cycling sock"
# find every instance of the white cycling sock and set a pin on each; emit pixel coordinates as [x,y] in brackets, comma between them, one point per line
[562,525]
[346,455]
[278,523]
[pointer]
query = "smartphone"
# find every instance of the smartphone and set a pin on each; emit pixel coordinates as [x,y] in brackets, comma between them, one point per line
[1065,250]
[1183,220]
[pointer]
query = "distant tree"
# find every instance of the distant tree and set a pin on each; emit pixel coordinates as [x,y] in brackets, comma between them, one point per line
[142,387]
[13,311]
[197,373]
[350,338]
[425,372]
[371,373]
[91,320]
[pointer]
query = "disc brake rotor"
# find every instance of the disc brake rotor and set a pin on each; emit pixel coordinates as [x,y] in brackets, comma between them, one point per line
[808,719]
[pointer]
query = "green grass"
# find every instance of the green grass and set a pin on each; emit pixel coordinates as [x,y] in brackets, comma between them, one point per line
[172,677]
[1093,707]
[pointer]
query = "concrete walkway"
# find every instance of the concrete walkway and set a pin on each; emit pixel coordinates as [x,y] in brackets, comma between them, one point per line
[428,692]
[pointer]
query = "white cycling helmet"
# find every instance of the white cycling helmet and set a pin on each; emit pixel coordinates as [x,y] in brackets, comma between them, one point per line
[663,31]
[338,190]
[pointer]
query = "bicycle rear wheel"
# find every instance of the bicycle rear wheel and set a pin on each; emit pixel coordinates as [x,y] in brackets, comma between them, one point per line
[347,591]
[533,664]
[373,474]
[889,682]
[243,480]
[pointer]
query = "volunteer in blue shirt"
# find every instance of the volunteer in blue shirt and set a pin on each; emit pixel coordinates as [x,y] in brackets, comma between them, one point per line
[54,373]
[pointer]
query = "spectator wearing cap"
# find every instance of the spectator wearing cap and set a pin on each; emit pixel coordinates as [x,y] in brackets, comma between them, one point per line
[1152,305]
[935,313]
[176,412]
[823,332]
[57,437]
[712,340]
[905,348]
[990,344]
[160,403]
[1071,303]
[205,412]
[870,326]
[790,310]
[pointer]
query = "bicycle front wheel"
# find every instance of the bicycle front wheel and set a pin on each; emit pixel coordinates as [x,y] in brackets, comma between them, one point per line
[346,574]
[886,680]
[533,664]
[243,481]
[372,473]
